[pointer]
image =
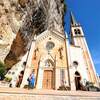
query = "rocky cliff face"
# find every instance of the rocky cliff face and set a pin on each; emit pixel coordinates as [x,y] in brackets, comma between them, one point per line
[25,18]
[9,25]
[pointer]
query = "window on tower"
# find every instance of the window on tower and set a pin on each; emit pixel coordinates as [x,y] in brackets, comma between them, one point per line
[77,31]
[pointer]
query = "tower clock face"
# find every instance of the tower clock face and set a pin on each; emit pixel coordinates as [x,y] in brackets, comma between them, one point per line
[50,45]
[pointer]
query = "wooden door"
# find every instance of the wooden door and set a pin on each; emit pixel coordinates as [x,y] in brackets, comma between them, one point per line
[77,83]
[77,80]
[48,79]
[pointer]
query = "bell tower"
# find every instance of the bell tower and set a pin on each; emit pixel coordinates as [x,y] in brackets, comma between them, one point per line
[78,39]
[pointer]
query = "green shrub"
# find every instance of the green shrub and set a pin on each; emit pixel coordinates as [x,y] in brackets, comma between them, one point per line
[63,87]
[8,79]
[2,70]
[26,86]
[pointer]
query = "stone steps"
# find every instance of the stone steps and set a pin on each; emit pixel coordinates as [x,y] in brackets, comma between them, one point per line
[24,94]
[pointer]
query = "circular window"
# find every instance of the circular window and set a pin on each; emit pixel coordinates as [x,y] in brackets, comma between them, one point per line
[50,45]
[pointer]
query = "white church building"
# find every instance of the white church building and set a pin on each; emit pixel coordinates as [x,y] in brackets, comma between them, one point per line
[57,62]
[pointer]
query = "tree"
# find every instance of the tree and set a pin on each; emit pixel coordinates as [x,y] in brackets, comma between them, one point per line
[2,70]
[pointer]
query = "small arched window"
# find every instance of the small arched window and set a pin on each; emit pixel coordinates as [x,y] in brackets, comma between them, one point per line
[75,64]
[9,72]
[77,73]
[75,31]
[13,73]
[78,31]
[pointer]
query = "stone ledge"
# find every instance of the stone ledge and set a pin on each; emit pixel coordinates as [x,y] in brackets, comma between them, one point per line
[19,91]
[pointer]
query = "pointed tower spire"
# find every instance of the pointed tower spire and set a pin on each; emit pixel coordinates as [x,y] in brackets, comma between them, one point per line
[73,20]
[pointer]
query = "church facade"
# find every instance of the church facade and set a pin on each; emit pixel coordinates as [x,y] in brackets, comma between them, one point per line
[57,62]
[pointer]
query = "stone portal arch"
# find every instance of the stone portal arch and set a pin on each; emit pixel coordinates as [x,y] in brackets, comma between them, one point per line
[49,62]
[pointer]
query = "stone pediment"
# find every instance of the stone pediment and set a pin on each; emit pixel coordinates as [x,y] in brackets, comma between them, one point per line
[55,34]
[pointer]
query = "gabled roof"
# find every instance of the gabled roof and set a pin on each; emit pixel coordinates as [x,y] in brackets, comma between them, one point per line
[53,33]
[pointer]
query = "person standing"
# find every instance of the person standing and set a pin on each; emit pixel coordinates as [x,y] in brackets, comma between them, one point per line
[20,78]
[31,81]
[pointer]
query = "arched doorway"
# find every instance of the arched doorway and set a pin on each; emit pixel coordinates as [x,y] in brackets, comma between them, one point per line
[48,75]
[77,80]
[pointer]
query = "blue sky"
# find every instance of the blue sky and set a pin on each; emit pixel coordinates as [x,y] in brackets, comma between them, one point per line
[87,14]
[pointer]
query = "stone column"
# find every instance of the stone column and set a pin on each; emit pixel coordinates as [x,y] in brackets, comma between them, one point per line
[40,78]
[28,68]
[72,79]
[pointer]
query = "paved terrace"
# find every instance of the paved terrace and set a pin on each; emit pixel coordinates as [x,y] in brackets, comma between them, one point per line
[25,94]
